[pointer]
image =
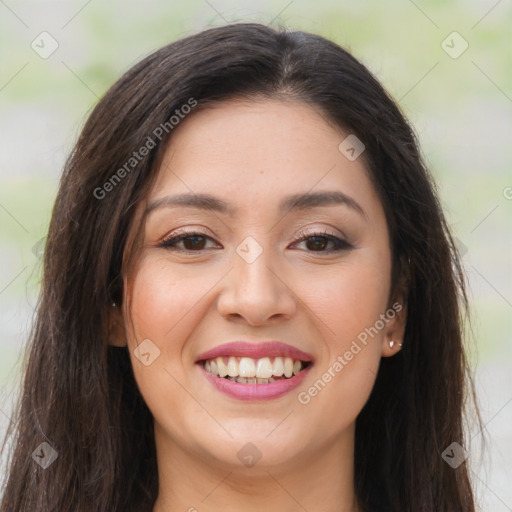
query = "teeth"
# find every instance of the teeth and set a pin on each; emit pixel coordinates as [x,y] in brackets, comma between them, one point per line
[278,367]
[232,367]
[251,380]
[221,367]
[247,368]
[288,367]
[243,380]
[250,371]
[264,368]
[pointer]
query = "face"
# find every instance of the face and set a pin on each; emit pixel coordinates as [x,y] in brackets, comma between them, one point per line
[245,265]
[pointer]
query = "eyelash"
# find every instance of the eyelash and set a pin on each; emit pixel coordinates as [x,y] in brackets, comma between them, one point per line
[340,245]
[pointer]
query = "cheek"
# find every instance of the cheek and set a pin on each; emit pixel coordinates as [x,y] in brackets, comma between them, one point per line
[347,299]
[339,393]
[348,305]
[163,299]
[165,308]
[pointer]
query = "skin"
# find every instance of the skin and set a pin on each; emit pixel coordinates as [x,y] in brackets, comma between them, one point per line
[252,154]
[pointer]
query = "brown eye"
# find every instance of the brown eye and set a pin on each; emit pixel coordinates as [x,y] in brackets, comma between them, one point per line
[316,242]
[191,242]
[194,242]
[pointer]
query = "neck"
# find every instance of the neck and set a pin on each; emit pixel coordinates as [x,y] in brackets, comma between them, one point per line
[318,478]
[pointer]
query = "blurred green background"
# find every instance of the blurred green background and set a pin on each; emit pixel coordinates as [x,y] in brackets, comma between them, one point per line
[460,106]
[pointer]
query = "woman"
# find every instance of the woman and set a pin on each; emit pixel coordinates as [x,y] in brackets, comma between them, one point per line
[251,297]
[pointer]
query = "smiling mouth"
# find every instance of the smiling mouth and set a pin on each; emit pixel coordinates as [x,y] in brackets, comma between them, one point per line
[246,370]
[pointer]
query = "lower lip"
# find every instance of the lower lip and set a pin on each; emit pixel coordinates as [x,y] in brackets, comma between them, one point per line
[253,392]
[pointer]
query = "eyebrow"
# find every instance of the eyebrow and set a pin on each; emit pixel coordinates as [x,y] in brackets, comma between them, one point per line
[301,201]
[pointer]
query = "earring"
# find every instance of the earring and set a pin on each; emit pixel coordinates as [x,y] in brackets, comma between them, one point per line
[391,344]
[114,305]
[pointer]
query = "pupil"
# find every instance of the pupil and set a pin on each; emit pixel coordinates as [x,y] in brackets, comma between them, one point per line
[322,242]
[195,244]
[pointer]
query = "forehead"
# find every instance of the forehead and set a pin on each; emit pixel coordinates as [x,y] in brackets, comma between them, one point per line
[253,153]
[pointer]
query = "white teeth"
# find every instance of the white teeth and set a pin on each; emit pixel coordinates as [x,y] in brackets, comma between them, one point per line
[278,367]
[243,380]
[247,368]
[251,380]
[250,371]
[264,368]
[288,367]
[232,367]
[221,367]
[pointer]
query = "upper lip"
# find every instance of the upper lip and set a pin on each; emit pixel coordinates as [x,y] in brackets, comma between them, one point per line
[255,350]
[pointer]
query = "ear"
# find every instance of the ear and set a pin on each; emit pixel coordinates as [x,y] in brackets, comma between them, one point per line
[394,331]
[115,327]
[396,313]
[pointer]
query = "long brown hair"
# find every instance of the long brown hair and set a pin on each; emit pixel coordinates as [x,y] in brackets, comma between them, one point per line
[79,394]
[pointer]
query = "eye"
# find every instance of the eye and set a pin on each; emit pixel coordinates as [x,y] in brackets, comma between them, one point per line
[319,240]
[193,241]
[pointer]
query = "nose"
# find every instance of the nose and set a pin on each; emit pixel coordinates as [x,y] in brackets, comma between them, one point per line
[255,292]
